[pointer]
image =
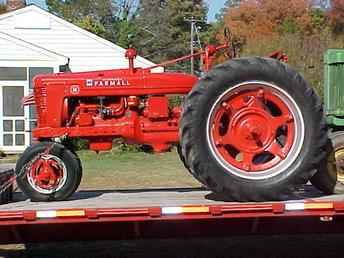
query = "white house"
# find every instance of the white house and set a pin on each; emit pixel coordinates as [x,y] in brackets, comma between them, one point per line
[34,41]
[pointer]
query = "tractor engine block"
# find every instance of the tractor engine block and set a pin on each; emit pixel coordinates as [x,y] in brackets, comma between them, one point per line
[87,113]
[101,106]
[144,119]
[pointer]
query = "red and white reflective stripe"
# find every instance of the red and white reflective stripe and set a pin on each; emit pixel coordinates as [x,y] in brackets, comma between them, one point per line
[60,214]
[188,210]
[300,206]
[184,210]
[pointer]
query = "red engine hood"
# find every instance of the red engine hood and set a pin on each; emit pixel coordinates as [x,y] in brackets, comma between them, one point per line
[119,82]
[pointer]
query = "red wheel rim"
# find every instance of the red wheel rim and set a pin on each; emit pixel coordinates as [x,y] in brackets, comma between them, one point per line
[253,128]
[47,174]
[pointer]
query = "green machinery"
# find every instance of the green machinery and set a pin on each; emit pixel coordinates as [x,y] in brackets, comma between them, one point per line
[334,103]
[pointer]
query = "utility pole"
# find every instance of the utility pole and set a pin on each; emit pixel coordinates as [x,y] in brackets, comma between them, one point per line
[193,22]
[192,46]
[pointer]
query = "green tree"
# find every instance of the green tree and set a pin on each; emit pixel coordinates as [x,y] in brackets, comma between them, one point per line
[95,16]
[163,31]
[157,28]
[125,31]
[3,9]
[336,16]
[90,24]
[228,4]
[99,10]
[126,9]
[124,25]
[110,19]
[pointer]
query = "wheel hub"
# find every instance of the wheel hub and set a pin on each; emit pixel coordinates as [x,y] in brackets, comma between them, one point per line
[339,157]
[47,174]
[253,129]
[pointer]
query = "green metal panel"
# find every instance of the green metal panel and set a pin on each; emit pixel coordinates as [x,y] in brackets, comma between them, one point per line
[334,85]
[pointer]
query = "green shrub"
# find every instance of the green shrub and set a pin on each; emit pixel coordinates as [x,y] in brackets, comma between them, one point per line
[175,101]
[75,144]
[125,147]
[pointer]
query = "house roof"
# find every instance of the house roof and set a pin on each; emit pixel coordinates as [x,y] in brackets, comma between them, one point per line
[73,27]
[31,47]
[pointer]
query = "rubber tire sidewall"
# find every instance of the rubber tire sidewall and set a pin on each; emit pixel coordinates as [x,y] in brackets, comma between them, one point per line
[74,172]
[199,156]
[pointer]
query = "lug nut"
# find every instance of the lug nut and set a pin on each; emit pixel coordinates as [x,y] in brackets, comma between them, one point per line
[246,167]
[218,144]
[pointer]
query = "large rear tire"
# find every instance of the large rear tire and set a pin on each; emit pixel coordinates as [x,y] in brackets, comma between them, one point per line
[48,172]
[253,129]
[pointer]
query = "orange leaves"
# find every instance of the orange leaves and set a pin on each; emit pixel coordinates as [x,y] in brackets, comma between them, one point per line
[336,15]
[248,21]
[254,19]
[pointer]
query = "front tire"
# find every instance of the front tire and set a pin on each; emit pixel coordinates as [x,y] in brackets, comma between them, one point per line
[253,129]
[48,172]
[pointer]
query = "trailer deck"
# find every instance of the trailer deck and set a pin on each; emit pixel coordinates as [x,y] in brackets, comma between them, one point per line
[150,197]
[131,198]
[152,213]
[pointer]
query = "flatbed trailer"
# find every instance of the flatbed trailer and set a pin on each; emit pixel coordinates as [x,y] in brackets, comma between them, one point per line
[165,213]
[6,183]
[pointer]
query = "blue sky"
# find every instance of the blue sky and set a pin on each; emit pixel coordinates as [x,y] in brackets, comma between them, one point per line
[214,8]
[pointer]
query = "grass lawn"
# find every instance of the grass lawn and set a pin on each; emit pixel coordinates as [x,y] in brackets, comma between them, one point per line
[116,169]
[8,159]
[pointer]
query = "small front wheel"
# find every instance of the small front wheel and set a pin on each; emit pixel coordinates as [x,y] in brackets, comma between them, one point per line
[48,172]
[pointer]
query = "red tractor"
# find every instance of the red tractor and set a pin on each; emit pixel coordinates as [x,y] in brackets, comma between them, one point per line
[251,128]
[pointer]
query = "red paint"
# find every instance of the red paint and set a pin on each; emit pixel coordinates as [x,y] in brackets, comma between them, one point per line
[101,144]
[157,108]
[131,54]
[244,128]
[209,56]
[125,111]
[125,103]
[46,173]
[148,222]
[279,55]
[100,106]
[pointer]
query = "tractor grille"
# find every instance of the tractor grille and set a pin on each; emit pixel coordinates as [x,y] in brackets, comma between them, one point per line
[334,78]
[334,92]
[41,104]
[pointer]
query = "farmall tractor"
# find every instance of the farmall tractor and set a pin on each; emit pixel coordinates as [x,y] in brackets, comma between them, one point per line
[251,128]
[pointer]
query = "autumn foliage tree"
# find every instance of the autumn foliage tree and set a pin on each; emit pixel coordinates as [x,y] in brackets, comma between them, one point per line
[2,9]
[294,26]
[336,16]
[164,32]
[254,19]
